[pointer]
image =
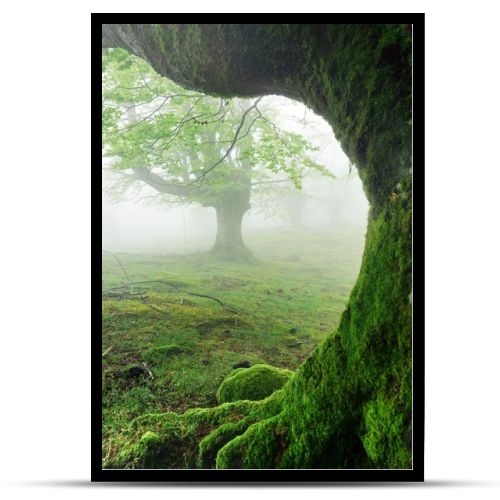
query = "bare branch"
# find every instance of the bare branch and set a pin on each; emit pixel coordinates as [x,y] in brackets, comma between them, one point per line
[145,118]
[231,146]
[158,183]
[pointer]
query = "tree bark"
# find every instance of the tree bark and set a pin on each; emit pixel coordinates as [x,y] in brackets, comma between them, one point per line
[230,208]
[229,244]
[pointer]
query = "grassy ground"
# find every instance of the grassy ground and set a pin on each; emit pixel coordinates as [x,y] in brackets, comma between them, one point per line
[275,312]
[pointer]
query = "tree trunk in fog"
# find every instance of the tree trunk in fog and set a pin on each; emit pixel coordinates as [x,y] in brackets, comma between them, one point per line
[230,207]
[229,244]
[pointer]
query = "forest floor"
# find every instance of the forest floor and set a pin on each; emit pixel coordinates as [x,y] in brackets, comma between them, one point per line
[275,312]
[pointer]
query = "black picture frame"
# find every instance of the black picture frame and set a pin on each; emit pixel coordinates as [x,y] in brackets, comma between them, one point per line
[257,476]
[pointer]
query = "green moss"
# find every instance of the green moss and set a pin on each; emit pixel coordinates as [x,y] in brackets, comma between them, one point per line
[211,444]
[170,440]
[237,455]
[254,383]
[359,79]
[175,437]
[143,452]
[387,437]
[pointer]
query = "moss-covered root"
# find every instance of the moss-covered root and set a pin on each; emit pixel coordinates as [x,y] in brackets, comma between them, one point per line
[350,404]
[254,383]
[190,440]
[211,444]
[229,432]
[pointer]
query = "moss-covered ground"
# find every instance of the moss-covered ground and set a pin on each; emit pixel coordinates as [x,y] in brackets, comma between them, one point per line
[276,312]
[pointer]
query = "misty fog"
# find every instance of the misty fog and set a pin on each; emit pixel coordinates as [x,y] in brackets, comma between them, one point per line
[139,223]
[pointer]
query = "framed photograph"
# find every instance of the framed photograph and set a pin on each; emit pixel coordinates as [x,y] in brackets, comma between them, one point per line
[261,312]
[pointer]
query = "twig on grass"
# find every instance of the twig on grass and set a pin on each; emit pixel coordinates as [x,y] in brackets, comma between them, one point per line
[107,351]
[140,295]
[147,369]
[177,289]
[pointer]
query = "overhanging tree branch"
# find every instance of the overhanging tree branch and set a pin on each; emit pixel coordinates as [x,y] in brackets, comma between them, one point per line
[158,183]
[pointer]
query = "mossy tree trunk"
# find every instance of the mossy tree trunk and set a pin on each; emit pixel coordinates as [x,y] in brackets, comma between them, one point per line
[349,405]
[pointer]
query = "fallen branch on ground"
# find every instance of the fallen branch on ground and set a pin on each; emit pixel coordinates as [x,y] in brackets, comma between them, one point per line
[174,287]
[131,295]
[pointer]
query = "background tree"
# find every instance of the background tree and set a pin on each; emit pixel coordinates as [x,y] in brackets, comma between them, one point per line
[190,147]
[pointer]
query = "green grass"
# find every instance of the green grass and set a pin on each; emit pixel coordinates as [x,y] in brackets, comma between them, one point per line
[295,295]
